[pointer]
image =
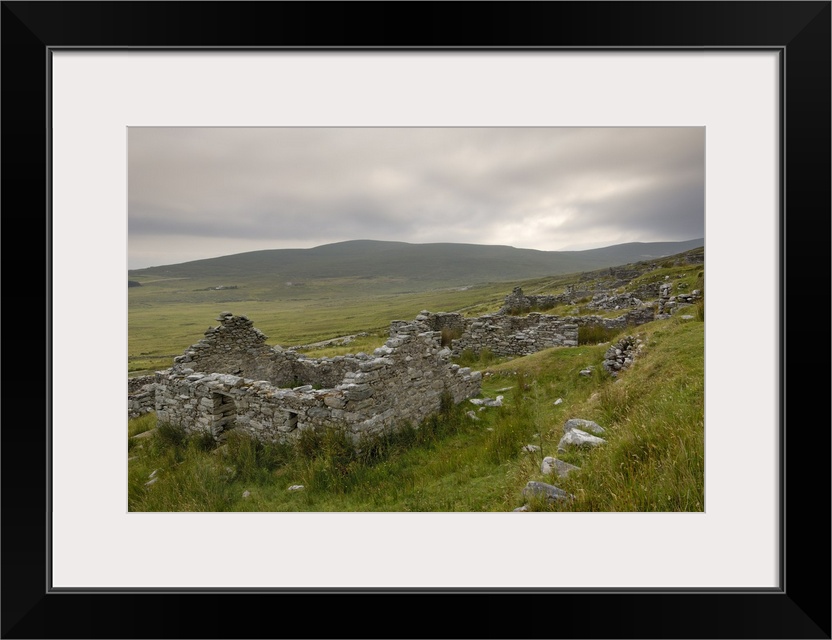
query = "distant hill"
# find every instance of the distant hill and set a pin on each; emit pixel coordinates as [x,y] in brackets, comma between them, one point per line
[420,264]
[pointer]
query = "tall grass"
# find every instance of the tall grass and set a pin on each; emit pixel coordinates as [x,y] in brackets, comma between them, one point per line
[596,334]
[477,359]
[653,460]
[141,424]
[449,334]
[654,457]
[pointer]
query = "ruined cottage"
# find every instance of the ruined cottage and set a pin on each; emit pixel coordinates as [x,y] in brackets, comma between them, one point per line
[233,379]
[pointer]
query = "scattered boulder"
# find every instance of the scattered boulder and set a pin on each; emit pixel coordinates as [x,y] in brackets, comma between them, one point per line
[558,401]
[472,415]
[584,425]
[531,448]
[246,494]
[295,487]
[578,438]
[552,465]
[551,492]
[488,402]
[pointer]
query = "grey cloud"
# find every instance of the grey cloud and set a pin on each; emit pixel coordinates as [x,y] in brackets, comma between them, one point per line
[310,186]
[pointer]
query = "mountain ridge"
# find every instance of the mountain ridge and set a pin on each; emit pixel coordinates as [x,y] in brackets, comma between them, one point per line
[447,262]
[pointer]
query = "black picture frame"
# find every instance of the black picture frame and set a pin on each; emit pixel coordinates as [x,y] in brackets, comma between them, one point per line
[799,31]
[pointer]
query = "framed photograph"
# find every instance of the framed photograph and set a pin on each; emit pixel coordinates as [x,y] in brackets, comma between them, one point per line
[82,79]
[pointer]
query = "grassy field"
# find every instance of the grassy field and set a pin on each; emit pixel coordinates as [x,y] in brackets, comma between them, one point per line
[653,459]
[653,413]
[167,316]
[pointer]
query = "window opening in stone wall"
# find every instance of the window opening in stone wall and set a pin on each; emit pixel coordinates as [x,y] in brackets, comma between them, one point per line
[225,411]
[292,420]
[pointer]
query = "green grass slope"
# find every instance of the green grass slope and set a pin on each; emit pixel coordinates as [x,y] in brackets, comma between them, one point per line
[166,314]
[412,266]
[653,459]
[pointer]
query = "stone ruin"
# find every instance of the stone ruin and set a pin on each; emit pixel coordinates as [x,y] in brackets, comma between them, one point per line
[233,379]
[622,354]
[658,294]
[521,335]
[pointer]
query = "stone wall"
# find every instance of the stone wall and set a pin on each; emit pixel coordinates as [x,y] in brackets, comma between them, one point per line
[237,347]
[518,303]
[509,335]
[516,335]
[233,379]
[622,354]
[141,395]
[401,382]
[631,318]
[614,301]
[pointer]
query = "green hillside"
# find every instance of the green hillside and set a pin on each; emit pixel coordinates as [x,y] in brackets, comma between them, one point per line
[400,266]
[653,412]
[338,289]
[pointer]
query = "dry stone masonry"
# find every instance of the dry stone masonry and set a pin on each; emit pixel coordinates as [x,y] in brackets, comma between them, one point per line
[233,379]
[621,354]
[141,395]
[516,335]
[513,335]
[517,302]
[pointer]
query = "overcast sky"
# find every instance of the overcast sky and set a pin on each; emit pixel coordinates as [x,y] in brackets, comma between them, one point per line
[204,192]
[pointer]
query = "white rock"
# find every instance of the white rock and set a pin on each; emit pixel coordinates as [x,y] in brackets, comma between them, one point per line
[584,425]
[553,465]
[578,438]
[551,492]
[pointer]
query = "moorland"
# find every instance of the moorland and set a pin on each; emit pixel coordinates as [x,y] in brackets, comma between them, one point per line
[652,413]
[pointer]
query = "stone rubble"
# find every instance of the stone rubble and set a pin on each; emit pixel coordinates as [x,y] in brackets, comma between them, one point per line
[622,354]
